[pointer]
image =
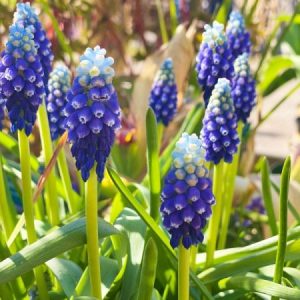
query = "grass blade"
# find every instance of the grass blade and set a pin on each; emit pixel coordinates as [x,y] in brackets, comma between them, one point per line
[284,191]
[267,196]
[153,164]
[261,286]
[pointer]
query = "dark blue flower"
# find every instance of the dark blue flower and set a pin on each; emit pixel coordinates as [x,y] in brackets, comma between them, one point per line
[214,59]
[21,83]
[237,35]
[93,112]
[257,205]
[163,96]
[26,16]
[243,88]
[187,196]
[219,132]
[58,86]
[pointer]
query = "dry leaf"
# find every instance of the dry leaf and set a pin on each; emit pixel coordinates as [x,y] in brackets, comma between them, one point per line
[181,50]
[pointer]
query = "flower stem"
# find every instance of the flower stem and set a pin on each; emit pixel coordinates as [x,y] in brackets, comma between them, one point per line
[50,188]
[282,234]
[66,181]
[230,175]
[28,207]
[183,272]
[91,206]
[213,227]
[162,23]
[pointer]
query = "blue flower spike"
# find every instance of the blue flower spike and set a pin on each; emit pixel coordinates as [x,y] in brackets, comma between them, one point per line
[243,88]
[163,96]
[92,111]
[237,35]
[58,85]
[219,132]
[187,196]
[21,83]
[214,59]
[26,16]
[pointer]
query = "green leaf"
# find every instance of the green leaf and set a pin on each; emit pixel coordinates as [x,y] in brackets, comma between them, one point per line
[248,263]
[154,228]
[260,286]
[148,271]
[11,144]
[130,224]
[267,196]
[223,11]
[153,163]
[282,233]
[66,272]
[275,66]
[293,274]
[51,245]
[109,271]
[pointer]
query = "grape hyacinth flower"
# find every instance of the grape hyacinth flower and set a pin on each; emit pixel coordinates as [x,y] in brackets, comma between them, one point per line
[21,83]
[214,59]
[256,205]
[219,132]
[187,195]
[93,112]
[243,88]
[26,16]
[58,86]
[163,96]
[237,35]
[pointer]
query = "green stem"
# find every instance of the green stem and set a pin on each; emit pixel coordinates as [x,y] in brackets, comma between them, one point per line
[183,272]
[66,181]
[173,15]
[230,175]
[91,206]
[194,251]
[285,30]
[282,234]
[50,186]
[162,23]
[28,206]
[213,227]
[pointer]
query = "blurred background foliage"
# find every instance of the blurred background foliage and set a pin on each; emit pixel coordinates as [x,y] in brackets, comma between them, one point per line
[139,34]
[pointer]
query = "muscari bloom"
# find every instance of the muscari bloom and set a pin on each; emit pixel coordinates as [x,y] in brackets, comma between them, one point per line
[92,111]
[214,59]
[219,132]
[237,35]
[21,83]
[58,86]
[243,88]
[163,96]
[187,196]
[26,16]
